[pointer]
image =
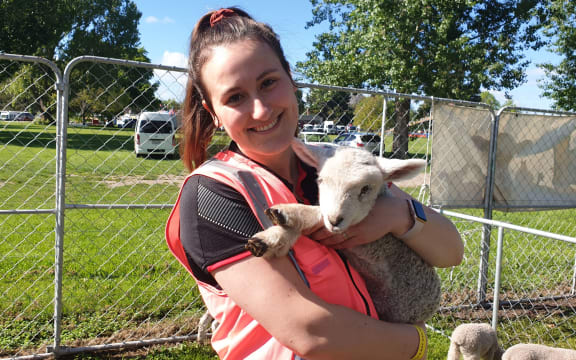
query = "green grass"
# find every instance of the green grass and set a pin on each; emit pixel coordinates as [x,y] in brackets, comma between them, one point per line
[119,277]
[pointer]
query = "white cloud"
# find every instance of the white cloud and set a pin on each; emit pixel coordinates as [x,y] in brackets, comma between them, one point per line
[174,59]
[153,20]
[172,83]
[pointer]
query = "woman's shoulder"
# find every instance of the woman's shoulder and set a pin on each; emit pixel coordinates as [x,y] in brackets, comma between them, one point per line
[198,185]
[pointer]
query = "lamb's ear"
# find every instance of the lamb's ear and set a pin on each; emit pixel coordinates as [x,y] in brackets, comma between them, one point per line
[313,155]
[395,169]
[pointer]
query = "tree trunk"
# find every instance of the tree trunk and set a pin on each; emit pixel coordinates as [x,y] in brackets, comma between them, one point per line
[402,118]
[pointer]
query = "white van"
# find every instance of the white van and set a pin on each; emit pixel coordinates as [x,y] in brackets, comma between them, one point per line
[8,115]
[155,134]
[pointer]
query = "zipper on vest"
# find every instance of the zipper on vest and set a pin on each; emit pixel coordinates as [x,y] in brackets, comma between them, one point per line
[343,258]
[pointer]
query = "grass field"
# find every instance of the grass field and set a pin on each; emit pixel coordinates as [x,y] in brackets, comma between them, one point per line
[121,284]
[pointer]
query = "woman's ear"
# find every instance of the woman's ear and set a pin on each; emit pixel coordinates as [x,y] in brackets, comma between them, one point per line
[214,118]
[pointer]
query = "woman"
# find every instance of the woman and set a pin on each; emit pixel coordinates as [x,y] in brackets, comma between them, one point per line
[311,304]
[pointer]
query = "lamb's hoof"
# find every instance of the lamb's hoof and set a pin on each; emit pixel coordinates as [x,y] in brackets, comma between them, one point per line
[257,247]
[276,216]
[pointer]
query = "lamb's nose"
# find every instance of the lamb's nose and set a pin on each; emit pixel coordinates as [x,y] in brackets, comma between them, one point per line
[337,221]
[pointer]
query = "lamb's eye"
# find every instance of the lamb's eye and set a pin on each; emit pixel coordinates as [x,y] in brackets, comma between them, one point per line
[365,189]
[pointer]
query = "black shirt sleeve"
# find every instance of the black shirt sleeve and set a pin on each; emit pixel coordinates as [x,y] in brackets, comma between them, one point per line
[215,224]
[216,221]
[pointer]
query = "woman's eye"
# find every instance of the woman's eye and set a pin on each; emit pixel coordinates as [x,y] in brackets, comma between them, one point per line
[234,99]
[365,189]
[268,82]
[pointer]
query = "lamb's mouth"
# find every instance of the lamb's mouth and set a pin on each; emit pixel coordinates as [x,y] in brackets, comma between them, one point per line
[268,126]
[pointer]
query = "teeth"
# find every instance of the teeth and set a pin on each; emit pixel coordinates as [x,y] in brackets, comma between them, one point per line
[266,127]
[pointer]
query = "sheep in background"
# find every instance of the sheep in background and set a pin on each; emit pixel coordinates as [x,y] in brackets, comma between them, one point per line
[403,287]
[474,342]
[538,352]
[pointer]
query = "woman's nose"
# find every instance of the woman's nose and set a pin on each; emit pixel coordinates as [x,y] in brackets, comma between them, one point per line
[260,110]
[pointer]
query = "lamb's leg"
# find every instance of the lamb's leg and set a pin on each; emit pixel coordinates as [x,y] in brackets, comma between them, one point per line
[203,326]
[290,220]
[295,216]
[467,355]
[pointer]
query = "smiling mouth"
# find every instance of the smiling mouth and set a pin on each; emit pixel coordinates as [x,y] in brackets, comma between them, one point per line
[268,126]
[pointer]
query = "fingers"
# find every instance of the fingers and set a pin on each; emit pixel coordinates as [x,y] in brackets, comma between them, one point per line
[335,240]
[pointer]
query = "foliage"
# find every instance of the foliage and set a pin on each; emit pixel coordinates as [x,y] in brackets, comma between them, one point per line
[448,49]
[63,29]
[301,102]
[487,98]
[72,28]
[368,113]
[439,48]
[27,90]
[330,105]
[560,85]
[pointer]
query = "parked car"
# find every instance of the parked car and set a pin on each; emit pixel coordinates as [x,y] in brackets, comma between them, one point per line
[9,115]
[307,128]
[24,116]
[155,134]
[318,128]
[363,140]
[127,121]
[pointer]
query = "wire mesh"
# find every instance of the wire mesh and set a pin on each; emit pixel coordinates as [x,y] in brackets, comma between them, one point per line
[121,284]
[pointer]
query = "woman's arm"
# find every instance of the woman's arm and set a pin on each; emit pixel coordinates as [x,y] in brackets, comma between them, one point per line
[438,243]
[272,292]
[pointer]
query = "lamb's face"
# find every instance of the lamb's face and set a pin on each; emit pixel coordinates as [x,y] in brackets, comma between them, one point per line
[349,183]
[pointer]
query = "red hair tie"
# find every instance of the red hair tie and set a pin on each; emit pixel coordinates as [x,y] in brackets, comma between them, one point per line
[221,14]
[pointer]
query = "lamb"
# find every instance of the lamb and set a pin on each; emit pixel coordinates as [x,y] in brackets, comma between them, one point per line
[538,352]
[403,287]
[474,342]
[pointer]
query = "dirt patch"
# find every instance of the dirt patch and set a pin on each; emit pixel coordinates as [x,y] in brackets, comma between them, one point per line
[137,180]
[532,306]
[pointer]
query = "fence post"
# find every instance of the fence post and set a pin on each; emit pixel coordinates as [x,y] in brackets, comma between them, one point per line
[488,207]
[497,278]
[573,290]
[61,136]
[383,127]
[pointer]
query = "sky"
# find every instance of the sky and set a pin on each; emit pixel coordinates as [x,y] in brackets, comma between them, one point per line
[166,25]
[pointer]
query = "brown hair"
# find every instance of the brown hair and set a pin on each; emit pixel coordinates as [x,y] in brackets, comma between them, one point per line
[197,123]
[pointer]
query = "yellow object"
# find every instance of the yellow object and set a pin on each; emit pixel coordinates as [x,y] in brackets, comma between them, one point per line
[421,343]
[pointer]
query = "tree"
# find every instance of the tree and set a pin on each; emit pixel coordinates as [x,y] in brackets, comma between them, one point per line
[63,29]
[440,48]
[330,105]
[368,113]
[489,99]
[60,30]
[560,85]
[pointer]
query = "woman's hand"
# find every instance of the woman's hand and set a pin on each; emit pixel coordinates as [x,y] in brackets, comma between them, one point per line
[389,215]
[438,243]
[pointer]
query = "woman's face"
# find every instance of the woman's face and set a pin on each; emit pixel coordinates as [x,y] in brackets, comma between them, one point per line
[253,97]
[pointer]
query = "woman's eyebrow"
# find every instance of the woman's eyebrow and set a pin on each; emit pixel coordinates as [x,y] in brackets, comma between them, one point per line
[265,73]
[258,78]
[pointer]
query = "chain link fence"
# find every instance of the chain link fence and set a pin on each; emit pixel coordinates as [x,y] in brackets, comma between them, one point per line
[84,260]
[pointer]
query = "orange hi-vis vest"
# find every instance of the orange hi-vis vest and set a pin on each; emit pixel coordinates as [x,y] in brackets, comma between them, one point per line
[328,275]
